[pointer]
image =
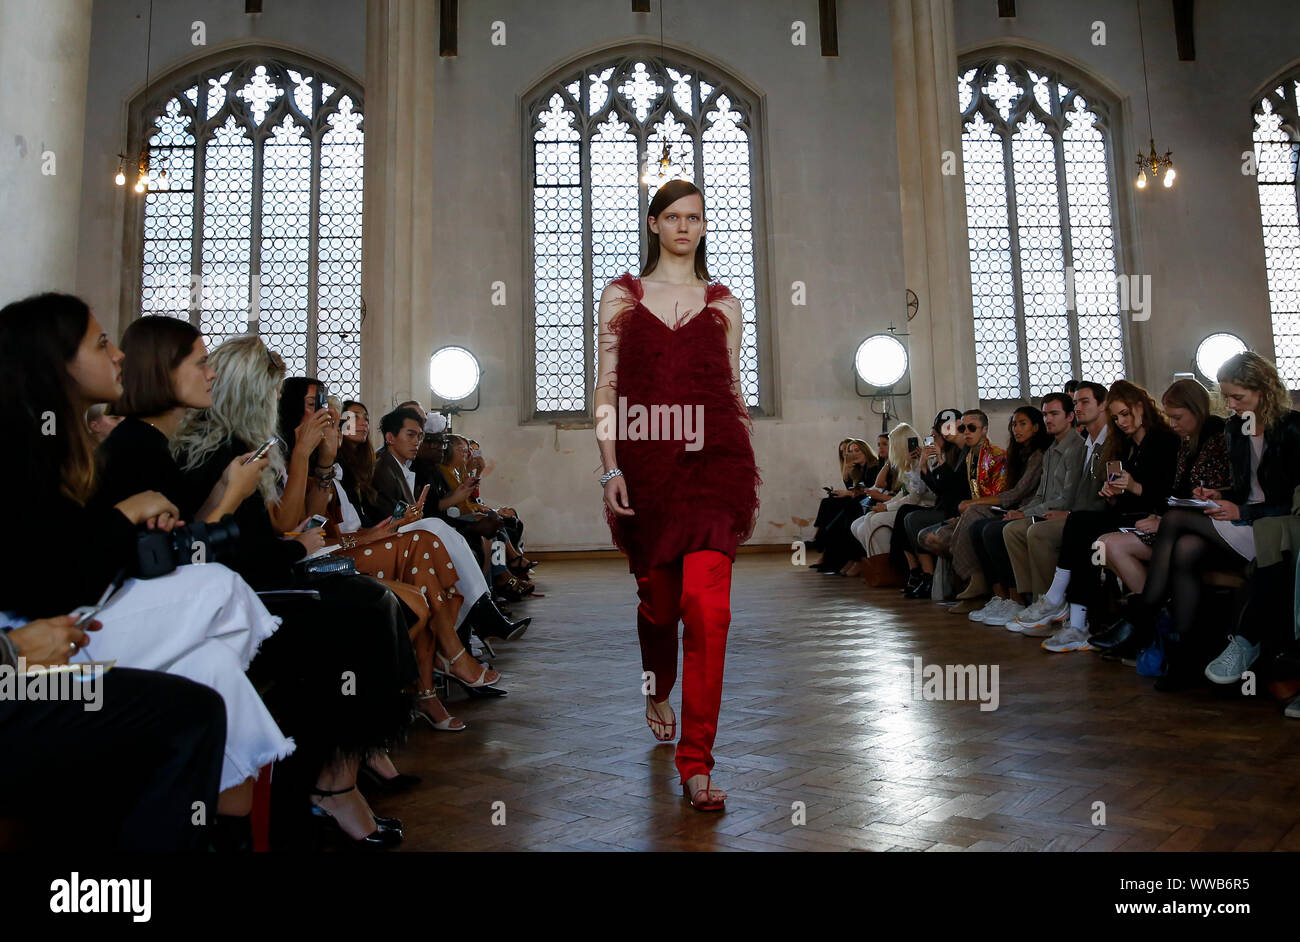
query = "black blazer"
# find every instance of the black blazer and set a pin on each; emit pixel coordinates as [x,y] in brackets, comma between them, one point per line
[950,485]
[1279,466]
[1153,464]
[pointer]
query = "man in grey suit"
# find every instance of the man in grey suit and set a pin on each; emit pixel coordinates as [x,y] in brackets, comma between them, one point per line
[1035,547]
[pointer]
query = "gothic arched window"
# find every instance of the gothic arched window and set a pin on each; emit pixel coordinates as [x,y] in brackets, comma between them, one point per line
[252,219]
[1041,222]
[1277,148]
[590,132]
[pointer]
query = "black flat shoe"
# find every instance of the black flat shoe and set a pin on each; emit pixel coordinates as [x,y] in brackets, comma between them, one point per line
[387,786]
[388,824]
[922,590]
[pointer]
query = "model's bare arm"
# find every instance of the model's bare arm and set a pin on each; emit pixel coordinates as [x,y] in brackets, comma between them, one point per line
[607,363]
[735,334]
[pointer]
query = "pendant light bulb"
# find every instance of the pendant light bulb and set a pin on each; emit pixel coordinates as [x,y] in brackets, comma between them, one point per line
[1170,176]
[1142,180]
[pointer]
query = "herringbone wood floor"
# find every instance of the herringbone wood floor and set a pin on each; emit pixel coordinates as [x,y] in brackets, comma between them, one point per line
[818,709]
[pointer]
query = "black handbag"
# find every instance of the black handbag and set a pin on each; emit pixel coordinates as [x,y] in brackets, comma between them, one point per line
[309,571]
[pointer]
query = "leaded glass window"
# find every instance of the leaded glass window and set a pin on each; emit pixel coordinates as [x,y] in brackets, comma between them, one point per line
[590,132]
[252,219]
[1040,219]
[1277,148]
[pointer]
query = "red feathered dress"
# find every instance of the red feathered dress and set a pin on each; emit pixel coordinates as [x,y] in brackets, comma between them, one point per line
[687,495]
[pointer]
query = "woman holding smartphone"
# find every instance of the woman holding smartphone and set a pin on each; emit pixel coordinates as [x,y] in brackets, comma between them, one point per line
[673,337]
[414,565]
[200,622]
[1141,453]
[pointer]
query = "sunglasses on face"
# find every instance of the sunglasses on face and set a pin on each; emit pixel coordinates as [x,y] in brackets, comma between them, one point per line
[969,428]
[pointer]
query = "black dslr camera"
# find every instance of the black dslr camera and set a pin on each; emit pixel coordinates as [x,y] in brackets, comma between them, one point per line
[158,553]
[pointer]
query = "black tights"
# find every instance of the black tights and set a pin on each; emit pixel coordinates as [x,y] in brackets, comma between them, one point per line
[1186,546]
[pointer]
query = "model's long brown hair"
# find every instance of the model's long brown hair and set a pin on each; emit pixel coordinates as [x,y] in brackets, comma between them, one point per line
[1131,394]
[665,196]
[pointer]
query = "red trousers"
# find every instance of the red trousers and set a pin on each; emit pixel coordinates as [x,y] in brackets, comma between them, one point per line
[695,589]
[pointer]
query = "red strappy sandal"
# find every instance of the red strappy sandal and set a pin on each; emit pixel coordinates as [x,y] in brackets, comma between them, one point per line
[652,719]
[706,804]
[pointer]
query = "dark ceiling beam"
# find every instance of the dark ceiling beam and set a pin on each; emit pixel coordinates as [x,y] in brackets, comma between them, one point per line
[447,10]
[1184,30]
[1006,7]
[830,30]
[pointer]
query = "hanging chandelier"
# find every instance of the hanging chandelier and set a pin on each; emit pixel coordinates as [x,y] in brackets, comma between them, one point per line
[141,162]
[1151,165]
[665,167]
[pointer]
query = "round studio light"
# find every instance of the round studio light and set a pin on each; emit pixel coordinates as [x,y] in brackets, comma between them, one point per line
[881,360]
[1214,350]
[453,373]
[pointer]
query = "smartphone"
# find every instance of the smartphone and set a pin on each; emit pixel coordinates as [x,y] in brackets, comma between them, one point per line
[912,444]
[322,397]
[1035,518]
[424,495]
[1114,469]
[998,510]
[261,452]
[929,440]
[399,511]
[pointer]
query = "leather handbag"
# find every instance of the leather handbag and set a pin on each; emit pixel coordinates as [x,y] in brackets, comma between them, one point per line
[879,571]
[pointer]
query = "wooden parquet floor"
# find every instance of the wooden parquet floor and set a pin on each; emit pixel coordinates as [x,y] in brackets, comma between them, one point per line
[818,709]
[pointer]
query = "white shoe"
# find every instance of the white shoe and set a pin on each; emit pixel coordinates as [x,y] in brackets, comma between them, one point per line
[1236,658]
[990,608]
[1007,614]
[1067,639]
[1043,613]
[1293,709]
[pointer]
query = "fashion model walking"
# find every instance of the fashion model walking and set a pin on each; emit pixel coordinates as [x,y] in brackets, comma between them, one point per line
[681,486]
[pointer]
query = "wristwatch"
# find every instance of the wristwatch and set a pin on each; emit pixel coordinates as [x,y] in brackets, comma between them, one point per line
[609,476]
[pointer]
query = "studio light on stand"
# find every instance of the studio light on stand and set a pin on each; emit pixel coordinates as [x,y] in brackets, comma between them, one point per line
[454,374]
[879,364]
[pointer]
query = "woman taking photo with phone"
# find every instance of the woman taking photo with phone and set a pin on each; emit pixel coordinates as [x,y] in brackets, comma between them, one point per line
[357,629]
[55,360]
[672,337]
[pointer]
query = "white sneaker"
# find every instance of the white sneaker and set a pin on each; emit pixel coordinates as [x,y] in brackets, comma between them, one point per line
[1005,615]
[990,608]
[1293,709]
[1067,639]
[1042,613]
[1236,658]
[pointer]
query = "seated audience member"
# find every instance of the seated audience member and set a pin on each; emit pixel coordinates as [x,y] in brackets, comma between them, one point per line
[978,553]
[1202,462]
[100,422]
[858,469]
[832,505]
[1270,614]
[1265,473]
[1034,549]
[415,566]
[944,473]
[455,470]
[162,735]
[986,476]
[55,358]
[1061,466]
[1140,453]
[511,522]
[392,480]
[873,528]
[358,628]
